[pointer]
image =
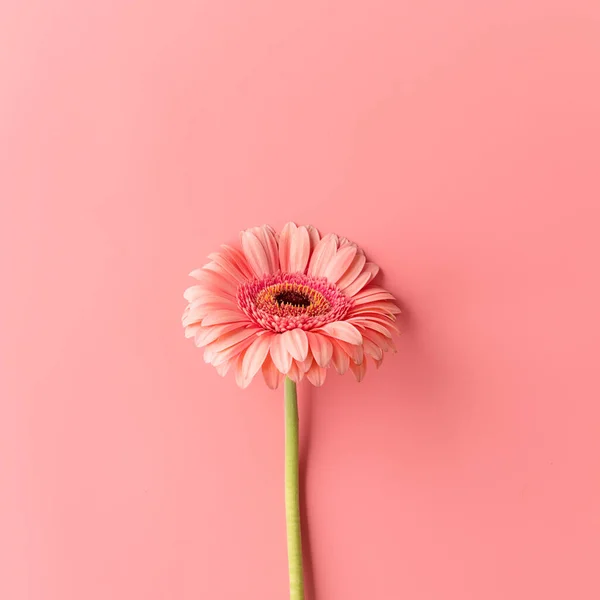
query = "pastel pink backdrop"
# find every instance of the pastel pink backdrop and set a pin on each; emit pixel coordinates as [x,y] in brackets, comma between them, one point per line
[458,142]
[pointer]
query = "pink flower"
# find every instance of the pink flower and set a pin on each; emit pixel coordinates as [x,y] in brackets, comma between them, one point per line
[291,304]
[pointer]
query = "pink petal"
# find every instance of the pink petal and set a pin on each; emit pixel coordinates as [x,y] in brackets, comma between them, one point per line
[281,357]
[306,364]
[225,316]
[270,373]
[354,351]
[218,358]
[223,369]
[373,269]
[385,307]
[192,317]
[266,235]
[372,349]
[212,280]
[321,348]
[314,235]
[322,255]
[340,263]
[316,375]
[209,356]
[342,330]
[378,339]
[340,359]
[353,271]
[285,242]
[369,272]
[201,312]
[228,266]
[370,323]
[256,354]
[206,335]
[357,284]
[367,295]
[377,315]
[385,320]
[392,345]
[232,338]
[346,242]
[192,330]
[219,270]
[237,259]
[255,253]
[241,378]
[296,343]
[359,370]
[295,373]
[193,293]
[372,289]
[299,250]
[209,297]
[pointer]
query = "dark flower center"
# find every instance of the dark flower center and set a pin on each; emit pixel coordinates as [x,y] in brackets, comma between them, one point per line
[286,301]
[292,297]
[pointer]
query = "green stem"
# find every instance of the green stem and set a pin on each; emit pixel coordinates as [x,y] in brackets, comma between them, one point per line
[292,499]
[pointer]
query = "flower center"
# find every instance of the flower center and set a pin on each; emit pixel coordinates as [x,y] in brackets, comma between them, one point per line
[292,297]
[288,300]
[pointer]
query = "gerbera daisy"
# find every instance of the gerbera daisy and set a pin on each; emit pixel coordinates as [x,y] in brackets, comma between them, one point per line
[291,304]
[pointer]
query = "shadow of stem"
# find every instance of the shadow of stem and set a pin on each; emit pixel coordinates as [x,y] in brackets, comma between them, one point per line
[305,440]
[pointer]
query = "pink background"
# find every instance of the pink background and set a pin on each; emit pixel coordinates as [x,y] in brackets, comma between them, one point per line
[458,142]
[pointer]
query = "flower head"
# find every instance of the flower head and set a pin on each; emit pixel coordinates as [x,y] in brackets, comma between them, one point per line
[291,304]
